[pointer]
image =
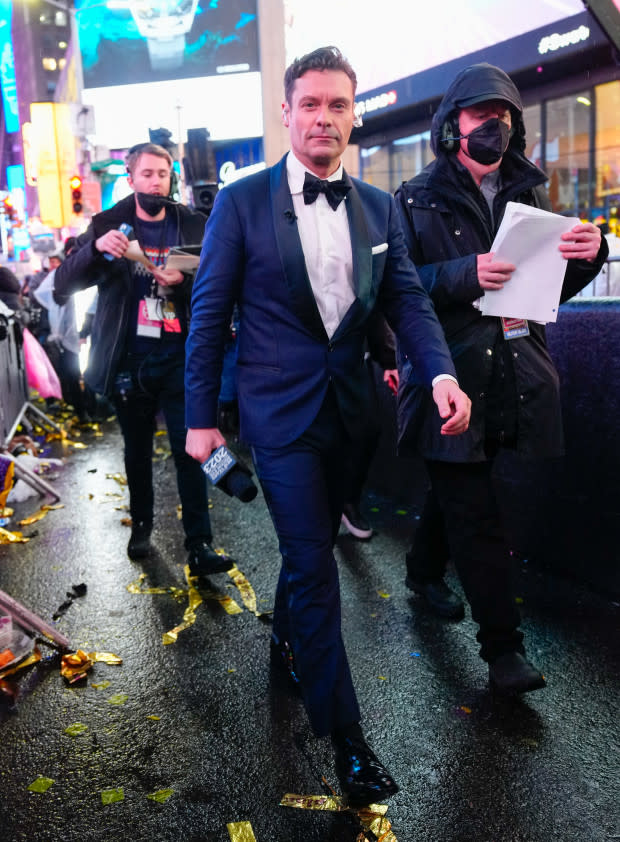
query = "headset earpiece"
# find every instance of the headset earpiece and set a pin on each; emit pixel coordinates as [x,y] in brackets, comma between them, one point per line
[448,134]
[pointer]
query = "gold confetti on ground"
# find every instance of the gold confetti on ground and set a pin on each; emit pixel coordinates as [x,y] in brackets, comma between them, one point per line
[240,832]
[7,537]
[121,479]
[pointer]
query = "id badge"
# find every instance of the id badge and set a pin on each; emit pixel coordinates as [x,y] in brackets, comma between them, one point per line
[148,323]
[514,328]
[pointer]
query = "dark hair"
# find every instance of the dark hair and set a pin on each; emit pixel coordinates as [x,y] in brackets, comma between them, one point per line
[325,58]
[140,149]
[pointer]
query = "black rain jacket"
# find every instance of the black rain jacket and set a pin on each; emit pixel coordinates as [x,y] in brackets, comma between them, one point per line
[447,223]
[86,267]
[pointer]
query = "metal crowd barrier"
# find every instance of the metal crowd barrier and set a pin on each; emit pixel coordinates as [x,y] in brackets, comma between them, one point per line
[14,403]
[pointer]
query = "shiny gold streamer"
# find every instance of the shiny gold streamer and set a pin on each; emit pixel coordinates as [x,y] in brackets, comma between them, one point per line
[105,658]
[189,615]
[240,832]
[371,817]
[331,803]
[248,597]
[7,537]
[37,516]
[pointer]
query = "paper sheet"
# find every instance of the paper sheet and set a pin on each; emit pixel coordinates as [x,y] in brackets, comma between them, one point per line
[529,238]
[184,258]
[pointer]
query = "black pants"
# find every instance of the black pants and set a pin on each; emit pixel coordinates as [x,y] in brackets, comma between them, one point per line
[303,487]
[158,383]
[362,448]
[464,521]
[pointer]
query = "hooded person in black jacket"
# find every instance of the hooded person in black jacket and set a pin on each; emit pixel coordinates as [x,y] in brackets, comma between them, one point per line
[137,355]
[451,212]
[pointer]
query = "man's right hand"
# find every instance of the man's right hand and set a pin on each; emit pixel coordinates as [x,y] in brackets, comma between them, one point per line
[493,274]
[200,443]
[112,242]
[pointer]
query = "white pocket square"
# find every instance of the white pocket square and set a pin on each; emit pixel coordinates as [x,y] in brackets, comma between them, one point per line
[380,248]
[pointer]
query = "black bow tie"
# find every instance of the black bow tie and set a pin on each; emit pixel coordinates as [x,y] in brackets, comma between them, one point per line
[335,191]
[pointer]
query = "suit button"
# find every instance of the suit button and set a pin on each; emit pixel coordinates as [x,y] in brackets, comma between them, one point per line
[330,347]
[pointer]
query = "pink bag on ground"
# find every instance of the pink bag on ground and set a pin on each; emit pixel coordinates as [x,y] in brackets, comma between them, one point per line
[39,370]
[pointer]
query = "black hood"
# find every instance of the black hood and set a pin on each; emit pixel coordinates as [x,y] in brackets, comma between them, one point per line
[479,83]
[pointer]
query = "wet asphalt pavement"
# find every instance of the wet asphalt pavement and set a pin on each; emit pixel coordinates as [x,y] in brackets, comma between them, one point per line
[230,740]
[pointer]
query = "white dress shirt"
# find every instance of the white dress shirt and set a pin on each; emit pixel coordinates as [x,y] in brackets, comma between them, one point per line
[326,243]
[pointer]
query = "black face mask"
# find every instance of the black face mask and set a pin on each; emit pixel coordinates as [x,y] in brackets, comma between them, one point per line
[488,142]
[151,203]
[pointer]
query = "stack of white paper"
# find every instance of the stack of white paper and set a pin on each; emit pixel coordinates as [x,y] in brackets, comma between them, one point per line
[530,239]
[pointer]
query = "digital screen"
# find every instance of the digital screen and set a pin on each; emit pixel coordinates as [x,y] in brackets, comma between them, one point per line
[136,41]
[392,39]
[228,106]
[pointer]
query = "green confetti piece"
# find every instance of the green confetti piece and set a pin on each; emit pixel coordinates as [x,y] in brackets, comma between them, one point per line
[154,717]
[383,594]
[401,511]
[75,729]
[40,784]
[101,685]
[110,796]
[374,509]
[519,600]
[161,796]
[118,699]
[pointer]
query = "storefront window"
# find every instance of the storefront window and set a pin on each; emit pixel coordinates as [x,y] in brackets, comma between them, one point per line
[410,155]
[389,165]
[375,166]
[533,136]
[567,153]
[607,153]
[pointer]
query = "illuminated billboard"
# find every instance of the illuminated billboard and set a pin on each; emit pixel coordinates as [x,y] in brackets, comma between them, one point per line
[401,38]
[8,83]
[133,41]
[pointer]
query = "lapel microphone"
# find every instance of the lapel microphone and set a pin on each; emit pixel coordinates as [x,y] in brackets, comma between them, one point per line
[289,215]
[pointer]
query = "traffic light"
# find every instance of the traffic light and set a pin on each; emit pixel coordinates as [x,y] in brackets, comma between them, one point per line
[9,209]
[76,193]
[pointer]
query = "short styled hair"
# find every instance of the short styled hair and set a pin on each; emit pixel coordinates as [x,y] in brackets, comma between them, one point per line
[325,58]
[135,153]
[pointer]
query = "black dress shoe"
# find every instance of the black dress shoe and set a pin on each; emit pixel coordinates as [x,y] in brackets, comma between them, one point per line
[511,674]
[362,777]
[283,659]
[440,598]
[204,561]
[355,522]
[139,544]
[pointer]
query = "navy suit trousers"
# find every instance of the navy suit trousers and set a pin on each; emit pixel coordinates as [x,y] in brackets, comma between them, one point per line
[303,483]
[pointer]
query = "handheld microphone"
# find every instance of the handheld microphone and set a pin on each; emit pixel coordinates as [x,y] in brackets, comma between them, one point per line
[126,229]
[230,475]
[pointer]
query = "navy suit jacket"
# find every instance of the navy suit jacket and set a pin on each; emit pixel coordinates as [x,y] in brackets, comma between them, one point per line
[252,254]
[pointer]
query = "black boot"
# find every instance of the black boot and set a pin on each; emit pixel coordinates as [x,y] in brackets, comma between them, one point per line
[139,544]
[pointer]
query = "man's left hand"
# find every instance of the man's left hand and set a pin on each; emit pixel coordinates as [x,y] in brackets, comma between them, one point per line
[582,242]
[454,405]
[167,277]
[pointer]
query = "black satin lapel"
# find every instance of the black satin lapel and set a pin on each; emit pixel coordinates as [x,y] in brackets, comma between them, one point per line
[291,252]
[360,247]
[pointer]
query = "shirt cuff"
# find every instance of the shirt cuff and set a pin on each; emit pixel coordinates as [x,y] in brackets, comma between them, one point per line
[443,377]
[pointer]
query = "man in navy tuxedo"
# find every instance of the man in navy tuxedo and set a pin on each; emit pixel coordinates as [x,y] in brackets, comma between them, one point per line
[309,253]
